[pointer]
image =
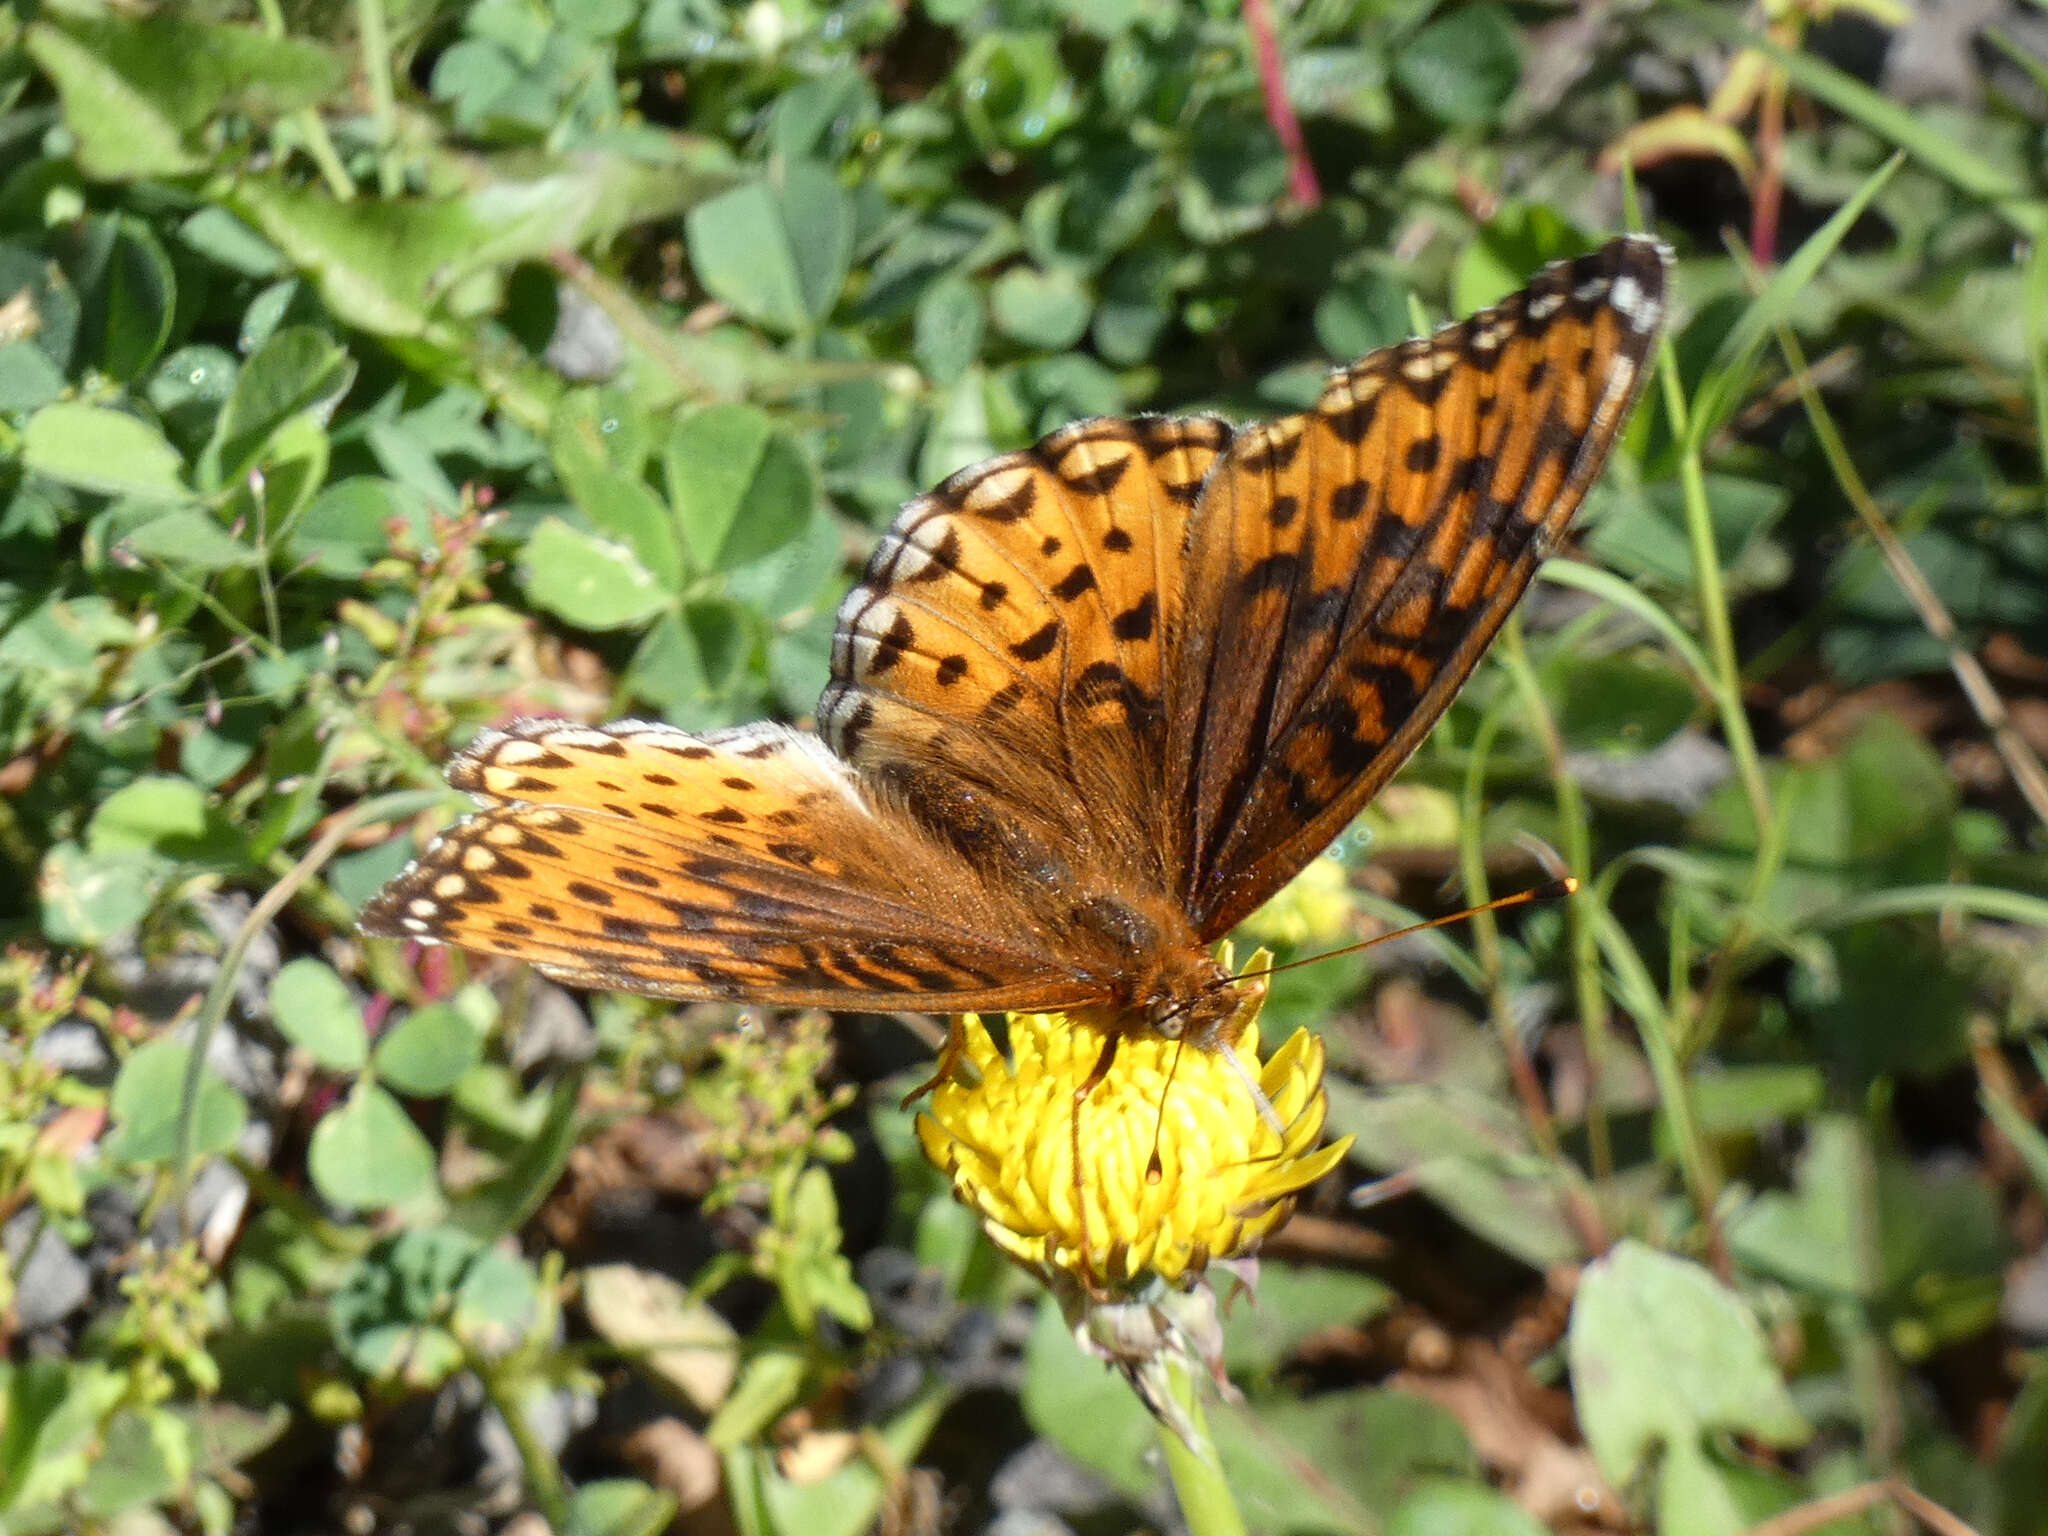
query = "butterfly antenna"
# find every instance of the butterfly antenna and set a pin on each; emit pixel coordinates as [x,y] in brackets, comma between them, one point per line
[1550,890]
[1154,1169]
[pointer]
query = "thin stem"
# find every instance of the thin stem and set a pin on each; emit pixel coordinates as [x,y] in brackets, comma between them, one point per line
[1198,1482]
[1578,857]
[377,76]
[272,902]
[1637,992]
[544,1478]
[1486,940]
[1301,172]
[1770,174]
[1712,598]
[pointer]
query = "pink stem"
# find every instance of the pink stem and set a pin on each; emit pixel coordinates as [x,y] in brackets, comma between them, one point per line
[1301,176]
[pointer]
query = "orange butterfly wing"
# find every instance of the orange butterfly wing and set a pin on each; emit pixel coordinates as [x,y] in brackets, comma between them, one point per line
[1002,664]
[745,864]
[1348,566]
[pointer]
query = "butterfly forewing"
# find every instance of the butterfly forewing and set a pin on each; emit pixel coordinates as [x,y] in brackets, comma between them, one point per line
[1349,565]
[1005,651]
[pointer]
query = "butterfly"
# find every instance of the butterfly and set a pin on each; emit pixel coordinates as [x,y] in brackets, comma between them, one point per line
[1091,704]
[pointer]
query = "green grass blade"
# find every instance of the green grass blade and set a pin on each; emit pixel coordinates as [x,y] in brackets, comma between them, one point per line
[1727,379]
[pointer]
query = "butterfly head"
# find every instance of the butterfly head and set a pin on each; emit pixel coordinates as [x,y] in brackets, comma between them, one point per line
[1194,998]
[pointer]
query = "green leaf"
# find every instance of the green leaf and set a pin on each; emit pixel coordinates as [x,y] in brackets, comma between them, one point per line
[946,332]
[1462,68]
[99,449]
[739,485]
[598,450]
[1469,1154]
[87,899]
[129,295]
[1662,1357]
[428,1051]
[1291,1303]
[133,87]
[1046,310]
[1451,1508]
[388,267]
[767,1386]
[497,1301]
[28,378]
[312,1008]
[843,1503]
[145,1105]
[1624,703]
[55,1410]
[590,582]
[135,1465]
[811,1269]
[123,131]
[347,529]
[188,539]
[619,1506]
[165,816]
[1293,1463]
[776,250]
[368,1154]
[386,1311]
[1015,91]
[298,369]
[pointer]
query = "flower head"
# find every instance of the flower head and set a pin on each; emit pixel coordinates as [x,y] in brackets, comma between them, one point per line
[1168,1162]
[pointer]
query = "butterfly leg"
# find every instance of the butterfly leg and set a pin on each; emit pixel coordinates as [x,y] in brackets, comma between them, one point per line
[1088,1085]
[950,1055]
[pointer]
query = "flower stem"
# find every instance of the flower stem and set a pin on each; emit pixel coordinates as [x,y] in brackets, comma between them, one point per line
[1198,1481]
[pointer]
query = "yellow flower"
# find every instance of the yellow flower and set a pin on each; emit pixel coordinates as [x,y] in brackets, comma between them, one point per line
[1224,1176]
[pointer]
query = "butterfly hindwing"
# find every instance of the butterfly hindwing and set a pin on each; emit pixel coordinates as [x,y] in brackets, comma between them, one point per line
[1348,566]
[738,864]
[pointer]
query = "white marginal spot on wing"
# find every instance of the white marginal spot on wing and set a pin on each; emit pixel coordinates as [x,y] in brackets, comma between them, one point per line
[1424,366]
[1633,304]
[1544,305]
[843,622]
[833,710]
[869,630]
[997,487]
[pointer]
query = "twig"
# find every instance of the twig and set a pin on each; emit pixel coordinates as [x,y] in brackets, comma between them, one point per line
[1817,1513]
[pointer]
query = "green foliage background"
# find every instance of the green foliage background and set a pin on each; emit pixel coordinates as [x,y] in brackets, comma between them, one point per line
[371,373]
